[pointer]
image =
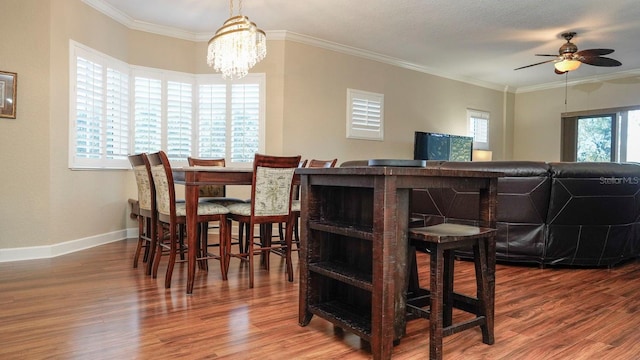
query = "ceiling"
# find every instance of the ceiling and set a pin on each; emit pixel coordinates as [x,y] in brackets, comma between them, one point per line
[476,41]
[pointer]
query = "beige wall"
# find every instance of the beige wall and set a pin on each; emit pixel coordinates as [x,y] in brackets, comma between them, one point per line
[24,141]
[537,113]
[44,203]
[315,95]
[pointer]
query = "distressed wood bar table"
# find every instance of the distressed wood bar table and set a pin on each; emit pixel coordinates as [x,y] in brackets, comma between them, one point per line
[354,247]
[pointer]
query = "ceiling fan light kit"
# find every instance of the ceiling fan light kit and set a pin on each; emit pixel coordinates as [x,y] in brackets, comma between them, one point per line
[569,58]
[567,65]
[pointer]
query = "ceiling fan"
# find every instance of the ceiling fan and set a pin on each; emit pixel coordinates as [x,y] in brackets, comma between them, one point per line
[570,58]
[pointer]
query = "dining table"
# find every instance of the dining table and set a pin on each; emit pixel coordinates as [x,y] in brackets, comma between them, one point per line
[192,177]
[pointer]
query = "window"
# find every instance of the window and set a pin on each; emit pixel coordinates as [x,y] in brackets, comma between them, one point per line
[99,110]
[365,115]
[595,140]
[604,135]
[230,119]
[479,128]
[119,109]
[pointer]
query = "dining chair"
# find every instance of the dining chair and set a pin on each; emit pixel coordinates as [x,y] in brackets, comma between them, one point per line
[296,198]
[295,204]
[214,193]
[145,210]
[172,214]
[271,194]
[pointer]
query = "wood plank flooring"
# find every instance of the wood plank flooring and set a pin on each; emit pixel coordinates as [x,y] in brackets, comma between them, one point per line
[93,305]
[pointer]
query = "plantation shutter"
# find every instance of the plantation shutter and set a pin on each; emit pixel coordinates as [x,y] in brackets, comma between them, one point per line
[479,128]
[117,131]
[179,120]
[245,122]
[89,109]
[148,115]
[212,120]
[365,115]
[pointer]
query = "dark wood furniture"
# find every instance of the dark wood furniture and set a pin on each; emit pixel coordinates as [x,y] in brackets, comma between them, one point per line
[442,241]
[354,245]
[144,209]
[271,195]
[315,163]
[192,177]
[213,193]
[173,215]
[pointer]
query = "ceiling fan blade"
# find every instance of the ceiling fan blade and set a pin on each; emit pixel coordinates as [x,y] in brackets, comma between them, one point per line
[599,61]
[594,52]
[542,62]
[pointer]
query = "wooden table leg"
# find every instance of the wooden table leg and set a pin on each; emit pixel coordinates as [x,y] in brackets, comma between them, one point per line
[191,195]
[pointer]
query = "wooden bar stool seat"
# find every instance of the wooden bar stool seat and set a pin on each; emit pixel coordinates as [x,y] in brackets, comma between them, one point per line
[437,302]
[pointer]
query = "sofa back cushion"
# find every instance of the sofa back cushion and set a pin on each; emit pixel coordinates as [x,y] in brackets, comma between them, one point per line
[594,213]
[523,198]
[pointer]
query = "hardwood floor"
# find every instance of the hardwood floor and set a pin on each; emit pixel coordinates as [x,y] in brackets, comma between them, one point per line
[93,305]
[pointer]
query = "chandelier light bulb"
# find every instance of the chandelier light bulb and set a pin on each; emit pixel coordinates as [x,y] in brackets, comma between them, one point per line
[236,47]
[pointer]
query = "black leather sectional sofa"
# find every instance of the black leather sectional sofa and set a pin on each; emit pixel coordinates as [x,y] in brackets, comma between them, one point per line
[576,214]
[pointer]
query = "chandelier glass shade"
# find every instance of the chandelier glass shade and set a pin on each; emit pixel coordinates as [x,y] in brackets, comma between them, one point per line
[236,47]
[567,65]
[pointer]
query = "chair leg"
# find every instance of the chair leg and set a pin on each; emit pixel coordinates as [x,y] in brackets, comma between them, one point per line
[222,241]
[159,236]
[147,231]
[227,246]
[447,288]
[136,256]
[250,255]
[482,285]
[174,246]
[181,237]
[436,309]
[203,230]
[288,243]
[266,233]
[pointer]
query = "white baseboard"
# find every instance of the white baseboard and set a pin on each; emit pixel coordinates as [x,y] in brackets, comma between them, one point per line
[49,251]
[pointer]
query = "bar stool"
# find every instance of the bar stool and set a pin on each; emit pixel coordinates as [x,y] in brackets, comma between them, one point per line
[442,240]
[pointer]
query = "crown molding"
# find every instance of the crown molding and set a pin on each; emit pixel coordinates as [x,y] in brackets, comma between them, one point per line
[587,80]
[134,24]
[129,22]
[349,50]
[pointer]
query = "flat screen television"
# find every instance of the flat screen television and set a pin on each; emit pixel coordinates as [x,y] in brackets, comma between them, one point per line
[435,146]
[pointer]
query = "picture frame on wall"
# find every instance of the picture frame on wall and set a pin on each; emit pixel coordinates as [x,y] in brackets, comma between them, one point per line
[8,91]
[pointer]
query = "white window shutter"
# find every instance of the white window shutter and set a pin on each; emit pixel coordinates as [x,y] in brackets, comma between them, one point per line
[365,115]
[179,120]
[117,106]
[245,122]
[212,120]
[148,115]
[89,109]
[119,109]
[479,128]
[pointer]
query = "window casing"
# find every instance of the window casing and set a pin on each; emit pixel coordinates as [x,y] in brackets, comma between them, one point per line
[479,128]
[365,115]
[615,137]
[118,109]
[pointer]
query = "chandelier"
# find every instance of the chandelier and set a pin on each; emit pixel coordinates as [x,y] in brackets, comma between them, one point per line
[237,46]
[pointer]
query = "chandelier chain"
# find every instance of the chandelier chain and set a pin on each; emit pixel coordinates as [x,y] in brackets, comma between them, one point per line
[231,8]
